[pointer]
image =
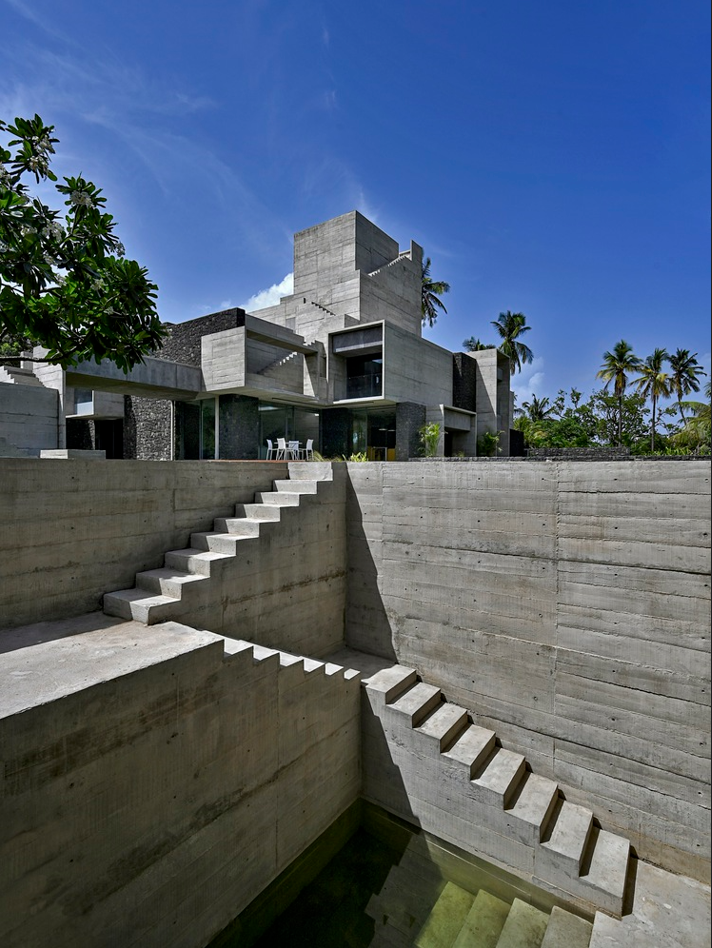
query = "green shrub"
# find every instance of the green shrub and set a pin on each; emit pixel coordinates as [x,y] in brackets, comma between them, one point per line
[429,439]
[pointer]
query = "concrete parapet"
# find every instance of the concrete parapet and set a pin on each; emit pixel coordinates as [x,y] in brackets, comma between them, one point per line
[137,769]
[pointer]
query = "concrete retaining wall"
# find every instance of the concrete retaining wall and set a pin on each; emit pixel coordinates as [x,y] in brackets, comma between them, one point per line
[565,604]
[73,530]
[28,419]
[155,784]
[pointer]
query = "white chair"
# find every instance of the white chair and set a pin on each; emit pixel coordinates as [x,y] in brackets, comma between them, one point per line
[271,450]
[281,450]
[293,449]
[307,453]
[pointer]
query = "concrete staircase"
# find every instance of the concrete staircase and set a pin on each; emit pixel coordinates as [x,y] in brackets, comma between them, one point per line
[439,753]
[417,907]
[18,375]
[161,594]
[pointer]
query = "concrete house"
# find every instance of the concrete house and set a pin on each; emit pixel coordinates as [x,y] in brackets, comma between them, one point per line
[341,361]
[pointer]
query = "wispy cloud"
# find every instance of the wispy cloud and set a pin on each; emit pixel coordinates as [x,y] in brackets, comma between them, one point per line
[272,295]
[530,381]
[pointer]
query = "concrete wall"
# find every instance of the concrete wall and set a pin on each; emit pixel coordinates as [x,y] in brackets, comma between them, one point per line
[73,530]
[28,419]
[415,370]
[155,784]
[567,606]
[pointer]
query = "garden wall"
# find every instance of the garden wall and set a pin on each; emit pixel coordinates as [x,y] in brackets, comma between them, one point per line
[156,781]
[567,606]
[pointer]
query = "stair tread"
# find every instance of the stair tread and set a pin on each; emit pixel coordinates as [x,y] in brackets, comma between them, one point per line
[289,486]
[443,720]
[278,498]
[175,575]
[571,830]
[609,863]
[536,799]
[391,682]
[484,922]
[191,551]
[566,930]
[446,918]
[471,745]
[501,771]
[525,926]
[417,701]
[139,595]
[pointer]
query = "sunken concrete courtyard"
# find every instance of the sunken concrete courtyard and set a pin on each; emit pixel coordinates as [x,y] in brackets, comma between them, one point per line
[215,674]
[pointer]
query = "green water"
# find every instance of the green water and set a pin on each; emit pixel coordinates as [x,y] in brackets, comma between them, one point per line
[331,911]
[386,884]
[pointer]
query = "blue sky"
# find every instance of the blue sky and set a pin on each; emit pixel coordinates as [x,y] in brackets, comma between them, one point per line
[552,158]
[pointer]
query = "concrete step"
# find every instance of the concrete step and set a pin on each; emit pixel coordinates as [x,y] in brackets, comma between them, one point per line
[570,830]
[192,560]
[167,581]
[277,498]
[417,703]
[524,927]
[500,778]
[237,526]
[386,685]
[534,806]
[472,748]
[566,930]
[291,486]
[608,869]
[258,511]
[216,542]
[446,918]
[444,726]
[484,922]
[135,604]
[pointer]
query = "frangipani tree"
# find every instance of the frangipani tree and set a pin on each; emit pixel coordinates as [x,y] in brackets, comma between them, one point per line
[65,283]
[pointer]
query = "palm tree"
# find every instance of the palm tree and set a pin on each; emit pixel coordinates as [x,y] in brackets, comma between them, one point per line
[615,368]
[474,345]
[510,327]
[429,295]
[538,408]
[654,384]
[684,376]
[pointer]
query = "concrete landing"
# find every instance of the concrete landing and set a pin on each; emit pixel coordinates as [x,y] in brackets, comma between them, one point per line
[669,911]
[51,660]
[367,664]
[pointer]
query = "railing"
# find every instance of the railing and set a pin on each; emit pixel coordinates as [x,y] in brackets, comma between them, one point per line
[363,386]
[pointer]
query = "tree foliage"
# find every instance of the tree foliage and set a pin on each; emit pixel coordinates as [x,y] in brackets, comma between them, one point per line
[617,366]
[511,327]
[65,283]
[431,290]
[476,345]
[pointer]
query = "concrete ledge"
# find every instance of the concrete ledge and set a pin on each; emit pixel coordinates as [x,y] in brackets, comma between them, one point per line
[77,454]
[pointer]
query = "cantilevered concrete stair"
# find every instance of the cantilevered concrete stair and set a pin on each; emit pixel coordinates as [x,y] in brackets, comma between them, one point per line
[161,594]
[439,753]
[418,907]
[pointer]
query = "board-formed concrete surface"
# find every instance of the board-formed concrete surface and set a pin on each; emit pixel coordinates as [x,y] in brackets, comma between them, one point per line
[566,605]
[154,784]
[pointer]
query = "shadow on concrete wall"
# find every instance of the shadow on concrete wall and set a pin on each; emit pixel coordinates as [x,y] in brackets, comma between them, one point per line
[367,627]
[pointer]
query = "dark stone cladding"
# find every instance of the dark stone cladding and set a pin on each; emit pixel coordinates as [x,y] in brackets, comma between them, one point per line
[335,425]
[81,434]
[147,428]
[239,428]
[593,453]
[464,381]
[183,342]
[410,418]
